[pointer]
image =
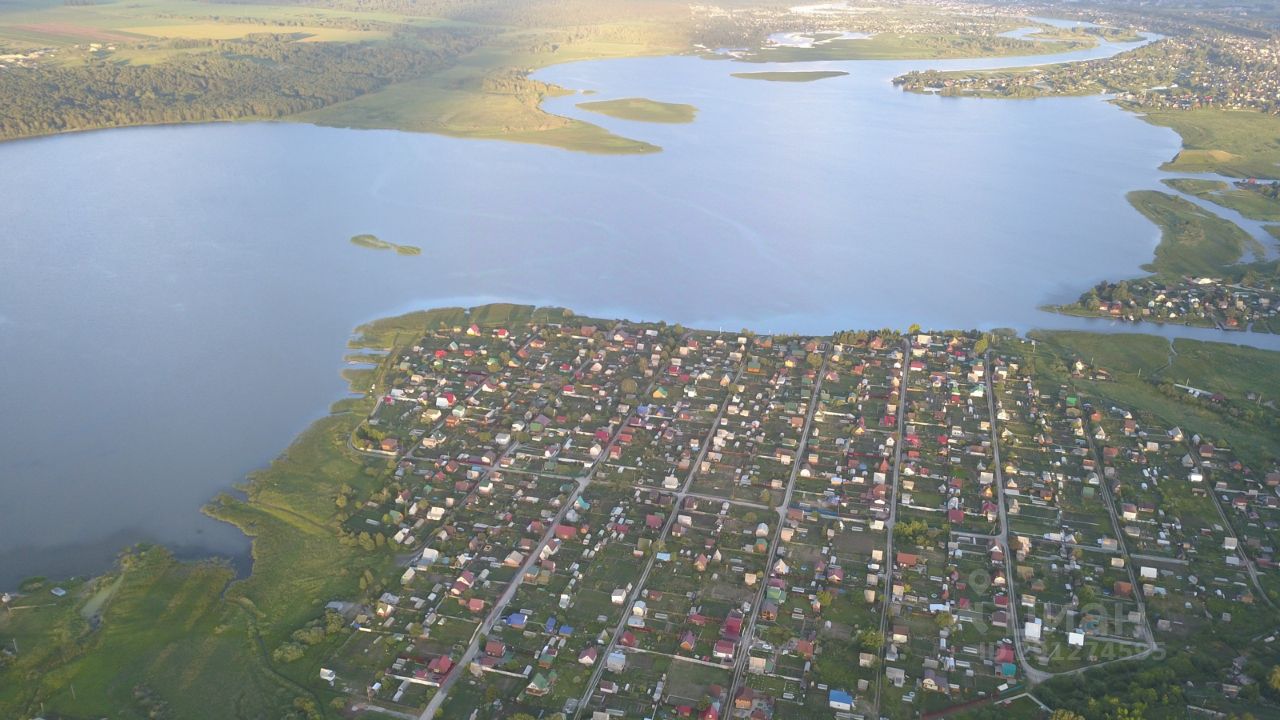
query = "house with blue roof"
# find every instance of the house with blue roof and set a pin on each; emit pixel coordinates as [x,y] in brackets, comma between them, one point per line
[840,700]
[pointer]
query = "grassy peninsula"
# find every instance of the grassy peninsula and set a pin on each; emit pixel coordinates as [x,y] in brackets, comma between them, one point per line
[643,110]
[373,242]
[1193,241]
[783,76]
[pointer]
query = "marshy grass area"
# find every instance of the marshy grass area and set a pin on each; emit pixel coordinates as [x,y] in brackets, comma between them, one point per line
[1193,241]
[185,639]
[373,242]
[1236,143]
[643,110]
[1247,200]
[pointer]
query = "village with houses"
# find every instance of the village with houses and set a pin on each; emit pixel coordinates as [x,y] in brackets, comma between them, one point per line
[1234,69]
[603,519]
[1248,301]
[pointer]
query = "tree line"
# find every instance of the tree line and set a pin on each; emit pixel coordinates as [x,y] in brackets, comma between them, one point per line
[262,76]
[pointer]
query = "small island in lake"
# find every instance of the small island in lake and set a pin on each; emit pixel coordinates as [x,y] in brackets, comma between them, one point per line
[643,110]
[373,242]
[786,76]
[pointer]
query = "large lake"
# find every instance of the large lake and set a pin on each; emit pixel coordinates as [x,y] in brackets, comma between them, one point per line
[174,301]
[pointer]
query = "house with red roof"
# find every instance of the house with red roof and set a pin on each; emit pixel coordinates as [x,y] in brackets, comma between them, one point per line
[723,650]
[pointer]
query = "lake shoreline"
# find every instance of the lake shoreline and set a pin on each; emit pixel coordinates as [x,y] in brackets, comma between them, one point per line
[784,314]
[356,375]
[596,141]
[306,556]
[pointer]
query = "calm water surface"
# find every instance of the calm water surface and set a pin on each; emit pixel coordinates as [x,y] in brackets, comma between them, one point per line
[174,301]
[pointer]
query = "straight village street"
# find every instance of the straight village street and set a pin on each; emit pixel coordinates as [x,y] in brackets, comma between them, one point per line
[611,519]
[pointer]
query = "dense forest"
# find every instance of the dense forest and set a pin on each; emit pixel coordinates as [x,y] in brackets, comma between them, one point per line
[1153,689]
[273,75]
[262,76]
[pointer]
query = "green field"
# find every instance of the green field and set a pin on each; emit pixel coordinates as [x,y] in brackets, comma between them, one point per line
[1193,241]
[1237,143]
[226,31]
[1253,205]
[643,110]
[1232,370]
[44,23]
[802,76]
[1139,363]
